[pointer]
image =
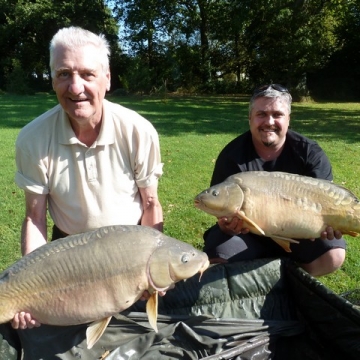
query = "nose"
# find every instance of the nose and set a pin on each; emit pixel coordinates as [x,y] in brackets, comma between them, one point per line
[76,85]
[270,120]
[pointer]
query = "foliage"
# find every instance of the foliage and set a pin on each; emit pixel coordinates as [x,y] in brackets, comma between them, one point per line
[257,40]
[339,79]
[17,82]
[289,39]
[28,26]
[213,46]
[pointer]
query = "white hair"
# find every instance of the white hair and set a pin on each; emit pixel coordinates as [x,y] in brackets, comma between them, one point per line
[72,37]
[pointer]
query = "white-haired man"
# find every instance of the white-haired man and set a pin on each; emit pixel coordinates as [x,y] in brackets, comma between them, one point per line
[90,162]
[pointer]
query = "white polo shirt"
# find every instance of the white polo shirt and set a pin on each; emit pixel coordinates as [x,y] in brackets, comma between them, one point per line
[89,187]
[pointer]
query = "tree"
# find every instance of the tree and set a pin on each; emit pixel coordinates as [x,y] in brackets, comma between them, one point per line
[339,79]
[30,25]
[288,39]
[259,40]
[144,35]
[228,50]
[210,45]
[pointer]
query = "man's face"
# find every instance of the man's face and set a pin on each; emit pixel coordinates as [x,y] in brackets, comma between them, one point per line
[80,83]
[269,121]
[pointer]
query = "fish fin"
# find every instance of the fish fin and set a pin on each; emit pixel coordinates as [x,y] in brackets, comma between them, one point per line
[293,241]
[351,233]
[152,310]
[257,227]
[284,242]
[95,330]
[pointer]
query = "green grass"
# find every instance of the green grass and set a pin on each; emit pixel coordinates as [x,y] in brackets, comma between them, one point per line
[192,132]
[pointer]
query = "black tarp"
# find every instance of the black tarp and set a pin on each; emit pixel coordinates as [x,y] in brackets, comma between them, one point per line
[258,310]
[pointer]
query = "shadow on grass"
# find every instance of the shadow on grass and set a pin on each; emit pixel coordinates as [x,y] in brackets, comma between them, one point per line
[174,116]
[229,114]
[16,110]
[334,124]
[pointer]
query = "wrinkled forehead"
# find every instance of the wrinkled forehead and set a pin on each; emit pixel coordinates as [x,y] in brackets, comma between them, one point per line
[77,59]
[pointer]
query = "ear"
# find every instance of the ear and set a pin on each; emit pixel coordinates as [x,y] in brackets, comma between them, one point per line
[108,76]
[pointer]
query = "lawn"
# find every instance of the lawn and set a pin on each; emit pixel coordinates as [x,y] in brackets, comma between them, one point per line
[192,132]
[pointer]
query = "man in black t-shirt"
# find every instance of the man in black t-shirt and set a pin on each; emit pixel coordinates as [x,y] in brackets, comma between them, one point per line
[269,145]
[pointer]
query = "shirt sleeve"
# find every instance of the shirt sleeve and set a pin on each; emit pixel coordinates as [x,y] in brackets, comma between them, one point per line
[31,174]
[148,165]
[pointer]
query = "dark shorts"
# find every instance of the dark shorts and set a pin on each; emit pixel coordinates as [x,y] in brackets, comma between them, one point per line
[250,246]
[57,233]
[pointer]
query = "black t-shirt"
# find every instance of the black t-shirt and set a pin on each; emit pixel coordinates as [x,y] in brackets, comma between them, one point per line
[300,156]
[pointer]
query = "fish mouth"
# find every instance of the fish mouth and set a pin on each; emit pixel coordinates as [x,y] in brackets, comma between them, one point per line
[210,210]
[200,204]
[173,274]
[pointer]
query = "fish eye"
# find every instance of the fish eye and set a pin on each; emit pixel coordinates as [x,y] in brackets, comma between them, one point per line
[185,258]
[215,192]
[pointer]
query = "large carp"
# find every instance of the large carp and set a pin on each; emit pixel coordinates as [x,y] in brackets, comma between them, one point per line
[91,276]
[283,206]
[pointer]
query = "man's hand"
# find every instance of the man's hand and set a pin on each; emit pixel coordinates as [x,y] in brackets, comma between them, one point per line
[146,295]
[232,226]
[24,320]
[330,234]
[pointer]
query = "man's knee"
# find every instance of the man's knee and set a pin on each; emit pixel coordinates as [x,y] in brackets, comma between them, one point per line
[327,263]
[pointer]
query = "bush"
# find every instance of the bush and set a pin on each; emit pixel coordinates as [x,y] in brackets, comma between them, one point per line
[17,82]
[120,92]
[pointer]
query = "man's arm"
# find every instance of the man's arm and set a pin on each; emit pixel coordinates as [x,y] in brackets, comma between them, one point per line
[153,214]
[33,235]
[34,231]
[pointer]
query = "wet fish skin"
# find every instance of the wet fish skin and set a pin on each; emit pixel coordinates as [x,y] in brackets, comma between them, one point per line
[283,206]
[91,276]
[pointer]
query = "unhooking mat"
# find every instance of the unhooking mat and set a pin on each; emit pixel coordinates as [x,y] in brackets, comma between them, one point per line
[261,309]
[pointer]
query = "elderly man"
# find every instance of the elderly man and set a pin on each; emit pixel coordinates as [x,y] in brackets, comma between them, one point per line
[269,145]
[91,162]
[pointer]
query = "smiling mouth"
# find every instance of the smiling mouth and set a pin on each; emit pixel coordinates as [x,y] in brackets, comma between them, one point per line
[78,100]
[270,130]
